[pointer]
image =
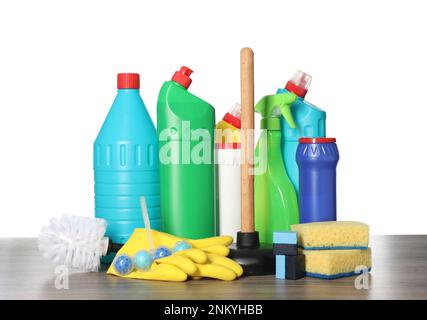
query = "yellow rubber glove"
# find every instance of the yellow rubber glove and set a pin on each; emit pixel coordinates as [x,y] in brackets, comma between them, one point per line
[206,258]
[163,272]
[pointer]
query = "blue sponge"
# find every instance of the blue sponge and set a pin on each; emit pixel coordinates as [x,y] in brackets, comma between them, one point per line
[334,276]
[285,237]
[280,267]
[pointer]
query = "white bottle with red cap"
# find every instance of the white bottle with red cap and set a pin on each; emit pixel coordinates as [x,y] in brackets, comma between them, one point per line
[227,153]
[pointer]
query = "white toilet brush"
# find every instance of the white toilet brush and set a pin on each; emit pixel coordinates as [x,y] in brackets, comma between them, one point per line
[76,242]
[80,242]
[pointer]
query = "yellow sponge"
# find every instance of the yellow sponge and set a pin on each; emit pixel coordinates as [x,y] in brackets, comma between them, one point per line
[333,264]
[332,235]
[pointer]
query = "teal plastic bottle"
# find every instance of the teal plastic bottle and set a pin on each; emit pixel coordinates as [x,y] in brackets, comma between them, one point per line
[310,122]
[126,164]
[185,125]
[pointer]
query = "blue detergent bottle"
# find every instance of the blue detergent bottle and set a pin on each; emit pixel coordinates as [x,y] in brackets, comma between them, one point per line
[126,165]
[309,119]
[317,160]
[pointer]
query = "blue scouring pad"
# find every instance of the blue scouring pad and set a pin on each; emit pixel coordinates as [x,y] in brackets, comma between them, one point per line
[333,276]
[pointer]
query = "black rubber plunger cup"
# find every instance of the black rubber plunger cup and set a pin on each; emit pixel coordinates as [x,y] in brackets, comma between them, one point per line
[255,259]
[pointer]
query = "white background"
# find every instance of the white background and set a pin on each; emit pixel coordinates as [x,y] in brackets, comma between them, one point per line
[58,66]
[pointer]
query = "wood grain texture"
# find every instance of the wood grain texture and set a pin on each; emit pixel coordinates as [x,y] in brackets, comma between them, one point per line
[399,272]
[247,146]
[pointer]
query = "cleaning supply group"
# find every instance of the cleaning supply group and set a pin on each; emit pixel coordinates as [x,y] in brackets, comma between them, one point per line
[185,177]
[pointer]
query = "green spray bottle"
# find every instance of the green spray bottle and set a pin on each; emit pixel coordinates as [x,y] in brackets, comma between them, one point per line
[276,203]
[185,126]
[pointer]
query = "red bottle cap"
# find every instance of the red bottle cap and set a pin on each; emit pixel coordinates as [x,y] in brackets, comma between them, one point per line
[292,87]
[317,140]
[234,121]
[299,83]
[183,77]
[128,81]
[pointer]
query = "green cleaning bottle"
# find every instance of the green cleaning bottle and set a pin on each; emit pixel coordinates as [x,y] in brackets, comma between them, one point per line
[185,126]
[276,203]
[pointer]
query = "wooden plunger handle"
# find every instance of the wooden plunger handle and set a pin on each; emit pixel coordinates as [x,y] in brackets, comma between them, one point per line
[247,146]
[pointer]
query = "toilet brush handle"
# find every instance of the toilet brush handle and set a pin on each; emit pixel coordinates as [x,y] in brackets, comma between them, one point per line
[247,146]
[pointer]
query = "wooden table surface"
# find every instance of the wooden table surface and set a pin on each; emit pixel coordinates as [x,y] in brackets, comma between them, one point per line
[399,272]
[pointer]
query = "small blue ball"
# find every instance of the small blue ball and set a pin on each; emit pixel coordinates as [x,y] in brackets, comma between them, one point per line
[181,245]
[143,260]
[162,252]
[123,264]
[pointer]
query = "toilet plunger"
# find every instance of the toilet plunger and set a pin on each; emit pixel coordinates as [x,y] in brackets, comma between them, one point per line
[256,259]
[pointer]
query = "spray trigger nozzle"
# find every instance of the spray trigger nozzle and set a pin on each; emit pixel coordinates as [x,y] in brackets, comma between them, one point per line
[272,106]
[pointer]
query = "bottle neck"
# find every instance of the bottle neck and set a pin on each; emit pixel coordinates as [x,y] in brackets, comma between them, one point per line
[178,84]
[292,87]
[128,91]
[284,90]
[270,124]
